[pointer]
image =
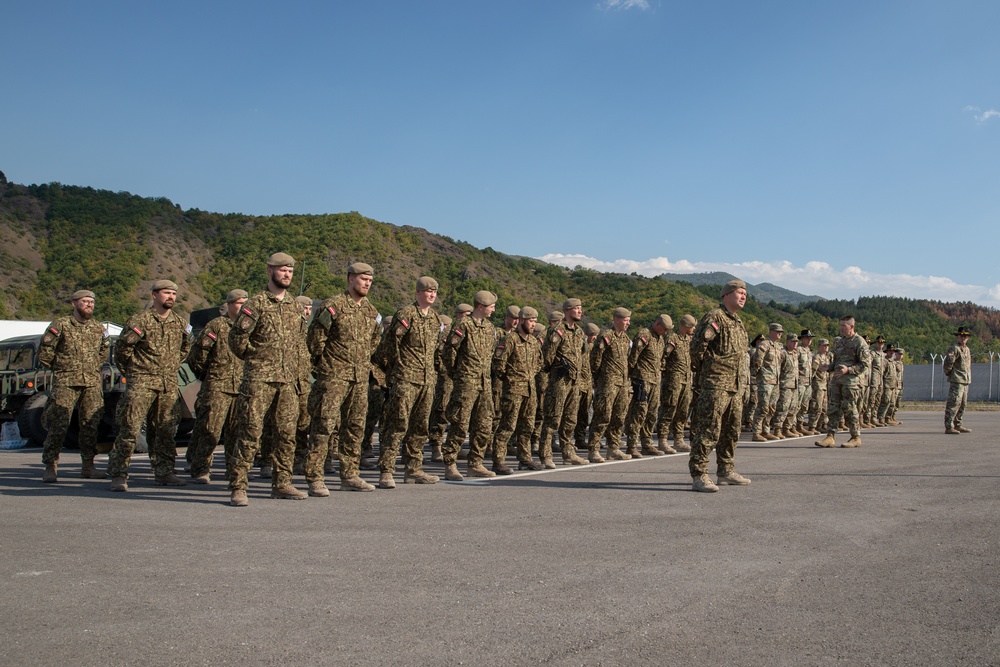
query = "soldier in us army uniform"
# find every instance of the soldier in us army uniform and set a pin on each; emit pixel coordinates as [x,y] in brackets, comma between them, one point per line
[74,347]
[586,385]
[645,361]
[612,390]
[765,368]
[851,358]
[563,355]
[149,353]
[268,336]
[468,356]
[675,387]
[221,373]
[888,387]
[342,338]
[869,415]
[406,355]
[805,357]
[788,390]
[517,361]
[719,356]
[820,382]
[958,369]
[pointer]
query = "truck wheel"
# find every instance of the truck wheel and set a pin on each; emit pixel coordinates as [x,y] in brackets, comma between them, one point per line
[29,420]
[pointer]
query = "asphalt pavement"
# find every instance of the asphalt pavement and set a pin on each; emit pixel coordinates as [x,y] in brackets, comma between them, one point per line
[882,555]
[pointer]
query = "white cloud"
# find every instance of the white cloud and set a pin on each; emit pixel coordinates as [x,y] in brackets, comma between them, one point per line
[621,5]
[813,277]
[980,115]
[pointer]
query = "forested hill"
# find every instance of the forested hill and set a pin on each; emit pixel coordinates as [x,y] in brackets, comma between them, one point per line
[55,239]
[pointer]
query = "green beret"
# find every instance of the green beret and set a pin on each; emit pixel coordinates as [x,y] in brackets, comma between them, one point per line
[360,268]
[280,259]
[527,313]
[665,321]
[83,294]
[732,286]
[426,283]
[571,303]
[235,295]
[622,312]
[463,309]
[163,284]
[688,321]
[514,311]
[485,297]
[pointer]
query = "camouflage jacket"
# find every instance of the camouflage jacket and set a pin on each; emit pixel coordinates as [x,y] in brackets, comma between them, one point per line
[609,359]
[958,364]
[877,368]
[899,372]
[517,360]
[268,336]
[213,361]
[719,351]
[889,374]
[150,350]
[805,356]
[646,356]
[820,377]
[342,338]
[788,375]
[852,354]
[406,352]
[765,363]
[74,351]
[468,352]
[677,358]
[564,352]
[585,380]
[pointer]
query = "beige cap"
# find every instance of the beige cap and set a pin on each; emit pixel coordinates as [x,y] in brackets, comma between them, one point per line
[463,308]
[622,312]
[591,329]
[823,341]
[556,316]
[514,311]
[303,300]
[732,286]
[539,328]
[163,284]
[83,294]
[445,320]
[235,295]
[775,326]
[280,259]
[360,268]
[665,321]
[527,313]
[485,298]
[688,321]
[571,303]
[425,283]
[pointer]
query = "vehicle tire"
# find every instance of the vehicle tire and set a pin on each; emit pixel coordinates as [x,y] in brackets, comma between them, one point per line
[29,420]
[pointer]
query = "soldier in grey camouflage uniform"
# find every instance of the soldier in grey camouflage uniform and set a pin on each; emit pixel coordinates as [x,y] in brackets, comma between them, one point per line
[221,373]
[676,384]
[958,369]
[268,336]
[788,390]
[719,355]
[406,355]
[765,367]
[517,361]
[149,353]
[820,382]
[74,347]
[850,360]
[586,385]
[645,361]
[609,361]
[342,338]
[563,356]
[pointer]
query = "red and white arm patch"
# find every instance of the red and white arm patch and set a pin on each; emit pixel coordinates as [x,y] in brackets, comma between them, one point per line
[211,335]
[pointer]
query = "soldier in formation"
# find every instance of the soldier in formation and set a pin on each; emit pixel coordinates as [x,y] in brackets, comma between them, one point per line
[609,363]
[850,360]
[517,360]
[645,364]
[676,388]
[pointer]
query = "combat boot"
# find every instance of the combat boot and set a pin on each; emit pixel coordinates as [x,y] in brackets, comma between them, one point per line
[385,481]
[288,492]
[704,484]
[679,444]
[170,480]
[119,483]
[501,468]
[649,450]
[50,476]
[828,441]
[318,490]
[948,429]
[794,431]
[420,477]
[203,478]
[369,463]
[880,424]
[962,429]
[238,498]
[634,453]
[436,455]
[451,473]
[618,455]
[757,437]
[855,441]
[478,470]
[572,459]
[667,449]
[732,478]
[662,441]
[770,436]
[299,467]
[355,484]
[548,463]
[265,472]
[88,471]
[528,465]
[594,456]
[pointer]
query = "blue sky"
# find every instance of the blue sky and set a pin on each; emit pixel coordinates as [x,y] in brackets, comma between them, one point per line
[835,148]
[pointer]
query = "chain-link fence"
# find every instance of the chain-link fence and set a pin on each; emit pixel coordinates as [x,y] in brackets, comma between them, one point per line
[917,384]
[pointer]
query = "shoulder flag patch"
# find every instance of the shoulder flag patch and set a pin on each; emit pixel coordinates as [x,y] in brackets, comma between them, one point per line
[137,330]
[333,311]
[54,330]
[715,326]
[212,336]
[406,325]
[246,311]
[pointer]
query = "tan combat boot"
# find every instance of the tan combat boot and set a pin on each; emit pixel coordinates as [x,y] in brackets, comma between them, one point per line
[265,472]
[170,480]
[288,492]
[420,477]
[203,478]
[436,455]
[119,483]
[355,484]
[594,456]
[679,444]
[704,484]
[948,429]
[634,452]
[451,473]
[318,490]
[50,476]
[855,441]
[649,450]
[478,470]
[732,478]
[757,437]
[571,458]
[88,471]
[618,455]
[770,436]
[385,481]
[828,441]
[548,463]
[962,429]
[501,468]
[238,498]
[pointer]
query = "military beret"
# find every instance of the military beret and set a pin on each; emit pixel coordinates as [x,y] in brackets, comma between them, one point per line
[571,303]
[539,328]
[556,316]
[688,321]
[591,329]
[82,294]
[235,295]
[163,284]
[280,259]
[445,320]
[962,331]
[527,313]
[303,300]
[793,337]
[360,268]
[824,341]
[514,311]
[622,312]
[806,334]
[463,308]
[732,286]
[425,283]
[485,298]
[775,326]
[664,321]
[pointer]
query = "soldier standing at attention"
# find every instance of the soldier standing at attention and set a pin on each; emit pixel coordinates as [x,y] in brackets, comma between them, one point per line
[563,356]
[378,391]
[74,347]
[342,338]
[850,359]
[888,387]
[675,382]
[719,355]
[801,421]
[788,390]
[149,353]
[509,325]
[820,381]
[438,423]
[586,385]
[221,373]
[268,336]
[645,360]
[609,361]
[765,368]
[406,355]
[468,356]
[517,361]
[870,415]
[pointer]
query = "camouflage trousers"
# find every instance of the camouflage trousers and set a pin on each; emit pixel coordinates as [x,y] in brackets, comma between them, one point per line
[640,421]
[270,434]
[89,405]
[716,425]
[438,426]
[582,418]
[163,411]
[874,401]
[406,415]
[675,404]
[818,405]
[561,404]
[257,402]
[842,406]
[375,416]
[767,404]
[337,409]
[517,418]
[954,409]
[887,408]
[542,386]
[213,410]
[610,409]
[862,401]
[470,412]
[802,414]
[786,408]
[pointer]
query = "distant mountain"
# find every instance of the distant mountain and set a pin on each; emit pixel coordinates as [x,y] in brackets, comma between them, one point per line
[763,292]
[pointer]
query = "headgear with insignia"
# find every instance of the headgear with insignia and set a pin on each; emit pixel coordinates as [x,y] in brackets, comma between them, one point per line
[235,295]
[360,269]
[963,331]
[163,284]
[280,259]
[425,283]
[776,326]
[732,286]
[806,334]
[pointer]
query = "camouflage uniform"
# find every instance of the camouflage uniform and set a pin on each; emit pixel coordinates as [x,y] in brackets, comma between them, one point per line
[563,356]
[221,373]
[675,399]
[609,361]
[820,383]
[586,387]
[788,391]
[888,392]
[645,360]
[303,387]
[765,367]
[149,353]
[406,355]
[542,387]
[74,351]
[719,353]
[442,396]
[518,360]
[468,355]
[875,388]
[851,353]
[268,336]
[342,337]
[377,393]
[900,367]
[805,356]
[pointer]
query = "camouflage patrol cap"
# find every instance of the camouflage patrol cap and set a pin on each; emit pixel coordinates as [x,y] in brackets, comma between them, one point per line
[556,316]
[303,300]
[664,321]
[235,295]
[425,283]
[163,284]
[775,326]
[463,309]
[824,341]
[485,298]
[280,259]
[571,303]
[527,313]
[900,351]
[445,320]
[732,286]
[591,329]
[622,312]
[360,268]
[688,321]
[514,311]
[792,337]
[82,294]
